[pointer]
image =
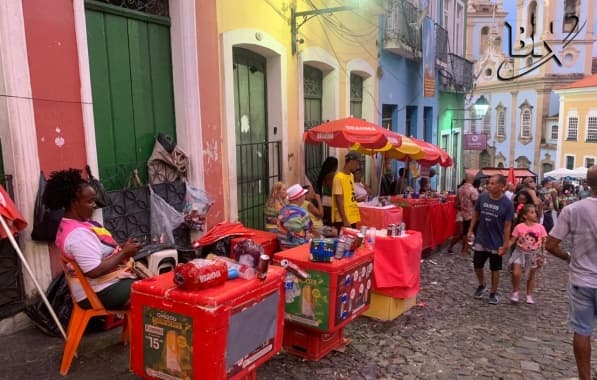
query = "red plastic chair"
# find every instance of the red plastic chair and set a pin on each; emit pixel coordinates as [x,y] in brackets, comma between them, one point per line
[80,318]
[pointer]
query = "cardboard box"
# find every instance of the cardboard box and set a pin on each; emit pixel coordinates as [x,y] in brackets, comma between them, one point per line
[387,308]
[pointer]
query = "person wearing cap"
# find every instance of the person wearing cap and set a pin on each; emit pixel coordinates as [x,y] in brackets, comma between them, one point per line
[345,209]
[294,223]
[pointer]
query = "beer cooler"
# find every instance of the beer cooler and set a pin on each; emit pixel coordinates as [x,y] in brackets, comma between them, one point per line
[318,308]
[224,332]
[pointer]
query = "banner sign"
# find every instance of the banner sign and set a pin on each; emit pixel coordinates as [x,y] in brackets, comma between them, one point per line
[474,141]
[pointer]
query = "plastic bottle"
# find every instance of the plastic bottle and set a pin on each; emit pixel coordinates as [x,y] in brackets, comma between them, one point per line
[371,232]
[242,271]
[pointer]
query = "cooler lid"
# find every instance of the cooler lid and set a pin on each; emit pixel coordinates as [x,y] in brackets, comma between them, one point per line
[301,256]
[226,294]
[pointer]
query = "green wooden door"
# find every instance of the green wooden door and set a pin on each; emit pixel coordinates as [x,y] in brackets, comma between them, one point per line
[252,150]
[131,82]
[313,95]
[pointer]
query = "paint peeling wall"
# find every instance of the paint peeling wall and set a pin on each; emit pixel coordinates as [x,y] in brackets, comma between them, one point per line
[55,85]
[209,87]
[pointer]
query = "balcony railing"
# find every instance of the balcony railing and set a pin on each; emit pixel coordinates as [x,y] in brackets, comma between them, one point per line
[402,35]
[441,44]
[458,77]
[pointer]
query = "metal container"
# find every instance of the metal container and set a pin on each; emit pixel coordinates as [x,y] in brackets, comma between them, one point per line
[391,230]
[263,266]
[340,246]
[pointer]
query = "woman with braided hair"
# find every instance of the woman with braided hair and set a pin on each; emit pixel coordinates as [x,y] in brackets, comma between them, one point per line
[88,243]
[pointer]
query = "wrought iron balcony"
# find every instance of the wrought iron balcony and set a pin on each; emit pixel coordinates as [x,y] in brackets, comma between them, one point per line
[402,34]
[458,76]
[441,45]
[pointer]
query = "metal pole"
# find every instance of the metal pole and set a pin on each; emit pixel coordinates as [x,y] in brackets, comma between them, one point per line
[26,265]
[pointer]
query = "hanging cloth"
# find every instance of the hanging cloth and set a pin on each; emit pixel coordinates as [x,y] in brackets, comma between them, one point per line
[11,214]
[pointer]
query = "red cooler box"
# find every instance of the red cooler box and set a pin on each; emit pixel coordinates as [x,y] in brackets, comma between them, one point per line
[334,294]
[268,240]
[224,332]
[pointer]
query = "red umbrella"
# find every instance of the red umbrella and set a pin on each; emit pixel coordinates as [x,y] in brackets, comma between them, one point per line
[433,154]
[511,177]
[344,133]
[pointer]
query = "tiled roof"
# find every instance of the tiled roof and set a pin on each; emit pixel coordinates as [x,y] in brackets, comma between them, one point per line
[590,81]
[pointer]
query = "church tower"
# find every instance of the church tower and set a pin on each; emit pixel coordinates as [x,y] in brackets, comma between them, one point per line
[522,50]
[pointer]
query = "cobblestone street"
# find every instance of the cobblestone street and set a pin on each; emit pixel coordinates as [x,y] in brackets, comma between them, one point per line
[449,335]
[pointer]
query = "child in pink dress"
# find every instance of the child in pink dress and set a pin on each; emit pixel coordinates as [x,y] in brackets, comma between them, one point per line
[529,237]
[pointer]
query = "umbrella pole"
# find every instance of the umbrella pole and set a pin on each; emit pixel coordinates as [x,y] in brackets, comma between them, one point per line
[380,175]
[26,265]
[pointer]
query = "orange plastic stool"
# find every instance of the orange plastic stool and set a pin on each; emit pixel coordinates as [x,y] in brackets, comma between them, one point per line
[80,317]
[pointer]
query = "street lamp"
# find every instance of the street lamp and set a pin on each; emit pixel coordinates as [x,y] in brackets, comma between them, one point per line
[481,106]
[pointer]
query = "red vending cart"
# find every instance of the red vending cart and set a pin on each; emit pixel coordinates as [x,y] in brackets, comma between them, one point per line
[224,332]
[318,308]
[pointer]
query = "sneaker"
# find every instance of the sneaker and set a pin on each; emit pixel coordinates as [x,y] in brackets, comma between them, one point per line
[514,297]
[493,299]
[480,291]
[530,299]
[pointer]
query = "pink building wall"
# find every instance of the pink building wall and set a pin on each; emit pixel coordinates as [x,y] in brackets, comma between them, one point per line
[210,90]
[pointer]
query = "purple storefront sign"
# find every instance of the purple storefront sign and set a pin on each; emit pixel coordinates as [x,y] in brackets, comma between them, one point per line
[474,141]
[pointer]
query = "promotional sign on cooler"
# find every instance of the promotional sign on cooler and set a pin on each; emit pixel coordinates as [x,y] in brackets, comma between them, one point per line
[334,294]
[224,332]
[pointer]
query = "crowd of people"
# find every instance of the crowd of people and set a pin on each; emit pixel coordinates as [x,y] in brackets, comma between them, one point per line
[523,222]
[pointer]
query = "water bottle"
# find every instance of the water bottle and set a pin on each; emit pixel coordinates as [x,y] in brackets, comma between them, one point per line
[471,242]
[371,232]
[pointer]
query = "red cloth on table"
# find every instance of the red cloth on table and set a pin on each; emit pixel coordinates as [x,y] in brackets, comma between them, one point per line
[12,216]
[436,221]
[379,217]
[396,265]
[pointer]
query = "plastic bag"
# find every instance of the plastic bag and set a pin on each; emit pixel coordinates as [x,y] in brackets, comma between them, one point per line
[45,221]
[101,195]
[59,297]
[164,219]
[196,205]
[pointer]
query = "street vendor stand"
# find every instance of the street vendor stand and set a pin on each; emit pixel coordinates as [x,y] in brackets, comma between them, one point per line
[435,219]
[223,332]
[334,294]
[379,216]
[396,274]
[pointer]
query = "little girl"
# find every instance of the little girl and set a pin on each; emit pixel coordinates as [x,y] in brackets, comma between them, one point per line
[529,253]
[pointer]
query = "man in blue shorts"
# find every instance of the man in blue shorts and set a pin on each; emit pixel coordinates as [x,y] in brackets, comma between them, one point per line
[578,221]
[493,216]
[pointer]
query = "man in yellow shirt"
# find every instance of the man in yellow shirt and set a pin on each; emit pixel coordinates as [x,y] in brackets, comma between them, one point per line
[345,210]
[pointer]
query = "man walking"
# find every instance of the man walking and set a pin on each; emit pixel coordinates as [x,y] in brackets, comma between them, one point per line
[578,222]
[466,196]
[494,213]
[345,210]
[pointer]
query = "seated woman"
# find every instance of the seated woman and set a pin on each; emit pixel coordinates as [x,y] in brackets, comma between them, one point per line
[294,223]
[273,205]
[314,207]
[361,190]
[100,258]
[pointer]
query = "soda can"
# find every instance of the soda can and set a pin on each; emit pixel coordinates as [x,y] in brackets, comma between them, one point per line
[402,229]
[364,230]
[359,240]
[390,230]
[263,266]
[340,246]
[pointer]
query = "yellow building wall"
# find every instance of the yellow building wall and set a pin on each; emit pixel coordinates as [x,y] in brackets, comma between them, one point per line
[581,103]
[273,17]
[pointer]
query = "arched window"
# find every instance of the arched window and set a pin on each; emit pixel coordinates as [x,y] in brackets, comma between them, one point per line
[531,18]
[525,124]
[501,124]
[487,124]
[572,128]
[484,39]
[570,10]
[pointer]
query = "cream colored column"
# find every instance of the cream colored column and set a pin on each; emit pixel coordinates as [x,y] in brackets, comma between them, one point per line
[19,142]
[513,136]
